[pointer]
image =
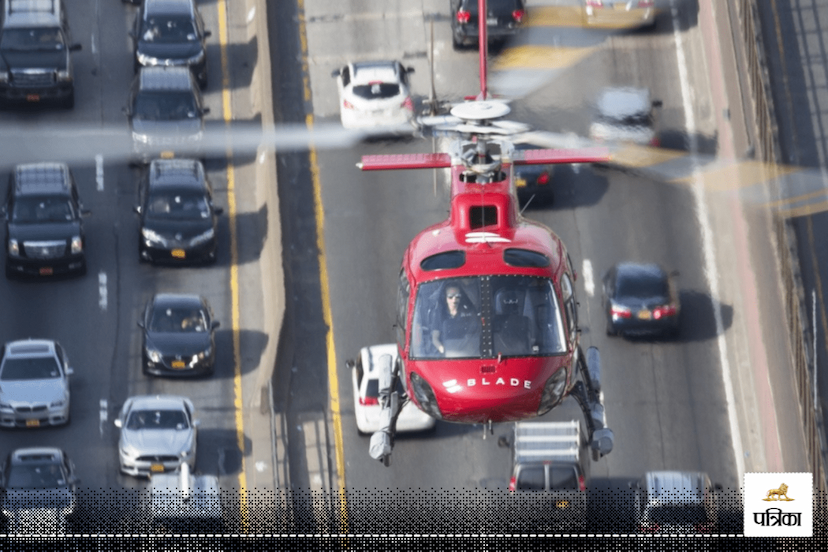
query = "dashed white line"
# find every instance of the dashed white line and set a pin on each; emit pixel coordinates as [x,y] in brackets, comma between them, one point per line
[104,415]
[589,283]
[102,290]
[99,171]
[251,15]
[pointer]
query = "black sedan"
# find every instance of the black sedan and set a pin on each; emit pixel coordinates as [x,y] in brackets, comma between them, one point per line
[178,219]
[641,299]
[533,182]
[171,32]
[39,491]
[179,336]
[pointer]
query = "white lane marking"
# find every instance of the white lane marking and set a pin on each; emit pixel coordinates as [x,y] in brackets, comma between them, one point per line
[99,173]
[251,14]
[94,46]
[102,290]
[104,410]
[260,466]
[710,271]
[589,284]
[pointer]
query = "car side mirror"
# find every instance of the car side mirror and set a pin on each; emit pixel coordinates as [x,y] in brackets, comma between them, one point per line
[196,423]
[137,209]
[208,34]
[85,212]
[205,110]
[717,487]
[336,72]
[140,324]
[657,103]
[118,423]
[70,371]
[218,210]
[409,69]
[3,212]
[125,111]
[215,324]
[75,47]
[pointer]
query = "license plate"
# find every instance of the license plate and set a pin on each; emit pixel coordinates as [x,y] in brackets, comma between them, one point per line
[167,154]
[644,315]
[156,468]
[491,21]
[562,504]
[179,253]
[520,182]
[178,364]
[32,97]
[32,423]
[46,271]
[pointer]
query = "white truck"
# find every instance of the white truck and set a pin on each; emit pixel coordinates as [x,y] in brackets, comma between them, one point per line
[549,474]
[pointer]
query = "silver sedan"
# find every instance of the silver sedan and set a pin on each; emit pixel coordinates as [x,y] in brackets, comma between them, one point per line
[158,434]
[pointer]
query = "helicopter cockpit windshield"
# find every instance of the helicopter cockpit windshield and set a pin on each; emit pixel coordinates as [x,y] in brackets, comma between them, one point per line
[487,316]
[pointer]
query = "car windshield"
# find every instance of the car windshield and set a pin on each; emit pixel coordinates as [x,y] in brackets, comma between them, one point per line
[178,320]
[157,419]
[678,514]
[182,205]
[487,316]
[36,476]
[42,209]
[168,28]
[642,286]
[27,40]
[38,368]
[531,478]
[165,106]
[376,90]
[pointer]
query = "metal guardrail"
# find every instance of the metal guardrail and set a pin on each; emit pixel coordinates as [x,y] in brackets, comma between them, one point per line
[768,150]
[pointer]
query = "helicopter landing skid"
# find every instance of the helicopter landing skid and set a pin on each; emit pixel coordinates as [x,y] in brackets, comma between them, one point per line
[587,392]
[382,441]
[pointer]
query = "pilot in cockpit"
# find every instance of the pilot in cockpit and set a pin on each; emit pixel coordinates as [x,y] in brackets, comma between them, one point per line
[454,319]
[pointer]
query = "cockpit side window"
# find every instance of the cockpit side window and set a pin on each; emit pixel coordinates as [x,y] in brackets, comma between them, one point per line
[403,293]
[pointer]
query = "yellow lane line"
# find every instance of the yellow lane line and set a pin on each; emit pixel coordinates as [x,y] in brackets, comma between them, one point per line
[797,199]
[234,266]
[319,213]
[632,155]
[738,175]
[810,209]
[540,57]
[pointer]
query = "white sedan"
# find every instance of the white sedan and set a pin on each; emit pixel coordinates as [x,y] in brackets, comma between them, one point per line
[620,14]
[375,95]
[365,379]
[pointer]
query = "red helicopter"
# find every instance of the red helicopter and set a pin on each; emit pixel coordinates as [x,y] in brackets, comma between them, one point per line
[487,327]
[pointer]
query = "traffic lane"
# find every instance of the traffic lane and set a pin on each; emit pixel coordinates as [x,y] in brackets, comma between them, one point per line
[659,400]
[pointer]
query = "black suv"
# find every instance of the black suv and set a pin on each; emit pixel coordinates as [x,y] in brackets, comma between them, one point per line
[44,226]
[35,46]
[502,21]
[178,219]
[166,113]
[171,33]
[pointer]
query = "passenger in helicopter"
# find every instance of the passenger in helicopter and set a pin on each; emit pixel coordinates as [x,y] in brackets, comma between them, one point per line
[454,325]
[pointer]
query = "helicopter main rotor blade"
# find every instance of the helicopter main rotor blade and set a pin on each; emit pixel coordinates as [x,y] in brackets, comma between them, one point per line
[25,143]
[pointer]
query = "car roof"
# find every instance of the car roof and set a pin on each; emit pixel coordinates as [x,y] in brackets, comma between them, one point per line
[371,357]
[168,7]
[624,101]
[176,172]
[30,347]
[176,300]
[364,72]
[39,454]
[675,487]
[156,402]
[32,13]
[152,79]
[41,178]
[637,270]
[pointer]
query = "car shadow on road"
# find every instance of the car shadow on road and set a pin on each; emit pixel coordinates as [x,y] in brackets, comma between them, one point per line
[252,344]
[573,186]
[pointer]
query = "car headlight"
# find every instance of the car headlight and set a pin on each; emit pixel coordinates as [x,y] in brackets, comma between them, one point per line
[141,138]
[4,76]
[203,354]
[14,248]
[77,245]
[196,59]
[128,451]
[552,392]
[69,509]
[153,237]
[425,396]
[58,403]
[64,76]
[153,355]
[204,237]
[144,59]
[5,405]
[7,512]
[197,137]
